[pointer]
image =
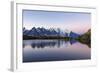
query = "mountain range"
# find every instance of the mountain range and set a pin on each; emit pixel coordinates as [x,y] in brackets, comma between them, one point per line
[43,32]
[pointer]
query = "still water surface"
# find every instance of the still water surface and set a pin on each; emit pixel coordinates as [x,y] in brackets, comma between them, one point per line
[54,50]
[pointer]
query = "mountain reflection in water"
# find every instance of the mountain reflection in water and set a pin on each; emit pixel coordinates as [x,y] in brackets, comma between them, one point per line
[47,43]
[54,50]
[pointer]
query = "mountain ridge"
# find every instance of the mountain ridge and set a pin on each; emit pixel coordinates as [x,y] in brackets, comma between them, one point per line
[48,33]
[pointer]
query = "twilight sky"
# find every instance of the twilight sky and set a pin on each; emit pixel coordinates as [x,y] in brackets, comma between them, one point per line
[72,21]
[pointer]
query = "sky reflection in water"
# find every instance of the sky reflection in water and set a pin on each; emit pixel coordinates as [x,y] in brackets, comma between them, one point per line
[54,50]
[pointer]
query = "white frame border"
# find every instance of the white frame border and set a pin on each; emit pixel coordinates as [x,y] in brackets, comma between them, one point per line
[16,59]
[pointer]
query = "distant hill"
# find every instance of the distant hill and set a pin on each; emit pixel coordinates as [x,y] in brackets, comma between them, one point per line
[86,38]
[73,35]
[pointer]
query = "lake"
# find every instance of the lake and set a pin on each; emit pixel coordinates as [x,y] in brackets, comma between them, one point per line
[54,50]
